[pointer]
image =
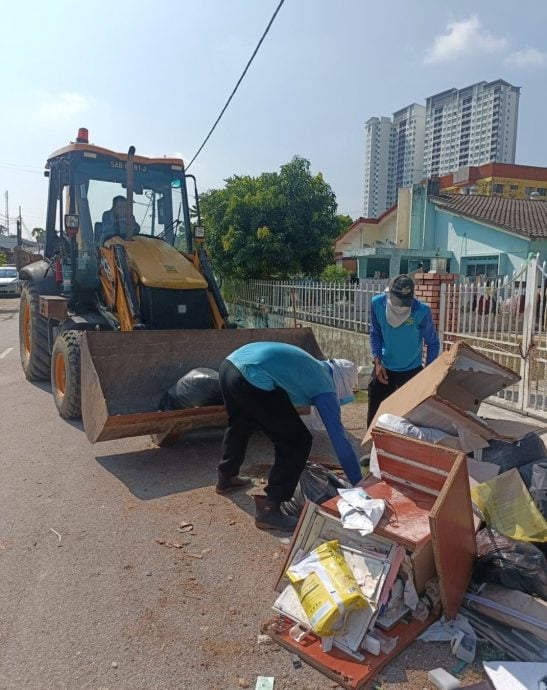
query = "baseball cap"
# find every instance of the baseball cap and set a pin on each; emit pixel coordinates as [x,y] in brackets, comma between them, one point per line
[402,287]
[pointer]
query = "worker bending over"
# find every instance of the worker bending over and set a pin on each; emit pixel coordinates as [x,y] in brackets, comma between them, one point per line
[400,326]
[261,384]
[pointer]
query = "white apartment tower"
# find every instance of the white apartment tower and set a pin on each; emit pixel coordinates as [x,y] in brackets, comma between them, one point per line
[409,125]
[378,166]
[471,126]
[393,157]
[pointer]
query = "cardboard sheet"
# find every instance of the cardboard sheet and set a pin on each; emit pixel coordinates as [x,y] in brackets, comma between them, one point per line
[461,378]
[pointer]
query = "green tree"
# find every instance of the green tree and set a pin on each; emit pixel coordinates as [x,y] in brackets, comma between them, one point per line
[275,225]
[335,274]
[39,235]
[343,223]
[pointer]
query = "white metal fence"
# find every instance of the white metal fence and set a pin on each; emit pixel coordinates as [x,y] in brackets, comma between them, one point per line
[506,320]
[340,305]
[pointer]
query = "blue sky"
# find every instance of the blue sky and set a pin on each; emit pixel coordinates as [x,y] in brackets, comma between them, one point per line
[157,74]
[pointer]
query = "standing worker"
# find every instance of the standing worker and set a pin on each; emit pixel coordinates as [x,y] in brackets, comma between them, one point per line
[261,383]
[400,325]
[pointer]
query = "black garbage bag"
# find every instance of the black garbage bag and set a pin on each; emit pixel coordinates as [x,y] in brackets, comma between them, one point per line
[509,455]
[316,484]
[198,388]
[534,475]
[513,564]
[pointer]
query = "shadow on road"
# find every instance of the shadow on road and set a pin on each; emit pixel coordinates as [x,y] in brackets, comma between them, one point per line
[190,464]
[156,472]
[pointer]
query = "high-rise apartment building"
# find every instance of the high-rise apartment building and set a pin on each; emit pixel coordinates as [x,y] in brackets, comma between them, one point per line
[409,125]
[393,157]
[471,126]
[379,155]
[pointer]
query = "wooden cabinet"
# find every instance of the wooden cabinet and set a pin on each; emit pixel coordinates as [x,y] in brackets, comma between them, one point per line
[428,511]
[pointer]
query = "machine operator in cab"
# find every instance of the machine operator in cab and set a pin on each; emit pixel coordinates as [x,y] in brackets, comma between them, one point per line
[114,221]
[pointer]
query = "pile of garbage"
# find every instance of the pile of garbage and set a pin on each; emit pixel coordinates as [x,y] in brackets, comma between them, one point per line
[469,491]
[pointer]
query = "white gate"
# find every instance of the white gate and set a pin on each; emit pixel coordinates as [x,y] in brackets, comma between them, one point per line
[506,320]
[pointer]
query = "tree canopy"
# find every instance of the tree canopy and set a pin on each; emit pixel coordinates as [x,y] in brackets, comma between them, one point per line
[275,225]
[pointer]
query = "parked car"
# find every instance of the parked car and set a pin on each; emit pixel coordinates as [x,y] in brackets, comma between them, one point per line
[9,281]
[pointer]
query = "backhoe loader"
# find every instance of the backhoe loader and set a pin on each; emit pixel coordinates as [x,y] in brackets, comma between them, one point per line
[124,300]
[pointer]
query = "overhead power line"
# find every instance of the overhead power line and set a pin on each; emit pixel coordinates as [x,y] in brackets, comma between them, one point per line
[238,83]
[22,168]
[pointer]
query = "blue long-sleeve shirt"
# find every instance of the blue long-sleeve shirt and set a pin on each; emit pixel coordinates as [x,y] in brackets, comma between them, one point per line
[307,381]
[400,349]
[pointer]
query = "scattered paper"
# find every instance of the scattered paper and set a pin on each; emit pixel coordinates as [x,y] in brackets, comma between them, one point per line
[359,511]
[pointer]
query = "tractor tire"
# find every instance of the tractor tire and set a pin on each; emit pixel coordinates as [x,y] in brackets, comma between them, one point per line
[33,335]
[65,374]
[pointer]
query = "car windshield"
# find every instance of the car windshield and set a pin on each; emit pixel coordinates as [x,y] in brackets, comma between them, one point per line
[8,272]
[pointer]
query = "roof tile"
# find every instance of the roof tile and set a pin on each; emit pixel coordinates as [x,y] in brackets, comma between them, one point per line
[523,216]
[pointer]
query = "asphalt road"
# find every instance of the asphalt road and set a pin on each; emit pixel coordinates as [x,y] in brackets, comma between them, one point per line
[89,599]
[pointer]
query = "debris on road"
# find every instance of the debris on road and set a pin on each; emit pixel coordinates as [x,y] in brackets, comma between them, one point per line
[56,533]
[265,683]
[172,543]
[185,527]
[443,680]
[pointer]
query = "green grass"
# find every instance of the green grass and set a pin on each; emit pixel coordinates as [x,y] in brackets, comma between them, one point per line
[361,396]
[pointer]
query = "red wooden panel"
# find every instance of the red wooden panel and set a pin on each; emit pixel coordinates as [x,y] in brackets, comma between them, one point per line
[453,534]
[425,453]
[349,673]
[411,474]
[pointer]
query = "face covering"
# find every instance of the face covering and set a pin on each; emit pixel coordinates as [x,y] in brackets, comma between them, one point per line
[396,316]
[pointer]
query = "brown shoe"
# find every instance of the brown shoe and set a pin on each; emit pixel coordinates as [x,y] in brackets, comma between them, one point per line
[226,484]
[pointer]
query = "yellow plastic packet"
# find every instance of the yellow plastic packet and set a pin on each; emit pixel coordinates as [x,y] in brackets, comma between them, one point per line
[326,588]
[508,507]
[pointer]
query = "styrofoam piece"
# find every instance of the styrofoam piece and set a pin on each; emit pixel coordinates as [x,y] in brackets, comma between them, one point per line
[371,644]
[387,643]
[443,680]
[299,631]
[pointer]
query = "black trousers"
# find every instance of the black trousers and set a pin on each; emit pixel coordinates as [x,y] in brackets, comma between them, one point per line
[250,408]
[378,392]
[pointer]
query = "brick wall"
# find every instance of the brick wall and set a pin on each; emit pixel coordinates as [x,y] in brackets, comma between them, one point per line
[428,290]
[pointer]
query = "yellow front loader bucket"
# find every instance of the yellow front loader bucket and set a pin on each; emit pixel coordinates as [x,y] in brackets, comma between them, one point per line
[125,375]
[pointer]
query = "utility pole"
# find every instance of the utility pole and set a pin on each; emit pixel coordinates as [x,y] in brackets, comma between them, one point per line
[19,229]
[7,213]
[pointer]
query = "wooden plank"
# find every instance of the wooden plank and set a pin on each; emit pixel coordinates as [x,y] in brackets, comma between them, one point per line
[410,474]
[428,454]
[453,534]
[349,673]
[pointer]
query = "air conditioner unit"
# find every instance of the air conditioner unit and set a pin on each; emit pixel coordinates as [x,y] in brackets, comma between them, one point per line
[439,265]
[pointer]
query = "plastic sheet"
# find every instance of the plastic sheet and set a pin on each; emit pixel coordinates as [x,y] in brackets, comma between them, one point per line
[316,484]
[508,507]
[514,564]
[200,387]
[534,475]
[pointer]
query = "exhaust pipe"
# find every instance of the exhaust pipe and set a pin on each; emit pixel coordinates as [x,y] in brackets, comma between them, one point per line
[130,185]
